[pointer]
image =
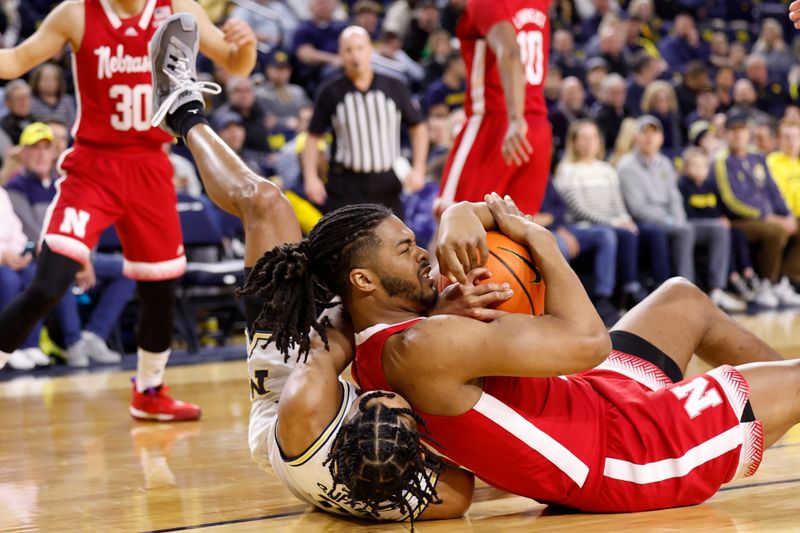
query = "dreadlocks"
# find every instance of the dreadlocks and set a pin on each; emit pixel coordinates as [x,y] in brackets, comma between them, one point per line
[295,279]
[380,461]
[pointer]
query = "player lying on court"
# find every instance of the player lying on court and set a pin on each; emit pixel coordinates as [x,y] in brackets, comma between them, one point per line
[532,405]
[314,400]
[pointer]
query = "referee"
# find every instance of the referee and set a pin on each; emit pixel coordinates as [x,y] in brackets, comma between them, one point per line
[365,110]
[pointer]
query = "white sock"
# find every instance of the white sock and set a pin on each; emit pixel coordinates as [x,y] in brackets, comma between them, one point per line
[150,368]
[4,358]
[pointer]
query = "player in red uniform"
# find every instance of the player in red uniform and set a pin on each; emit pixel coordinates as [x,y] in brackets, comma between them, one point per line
[505,44]
[535,406]
[116,173]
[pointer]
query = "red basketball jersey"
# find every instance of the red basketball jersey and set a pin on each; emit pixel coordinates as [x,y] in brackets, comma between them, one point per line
[529,17]
[112,77]
[616,438]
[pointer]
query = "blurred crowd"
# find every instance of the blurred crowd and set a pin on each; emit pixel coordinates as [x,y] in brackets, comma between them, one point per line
[676,127]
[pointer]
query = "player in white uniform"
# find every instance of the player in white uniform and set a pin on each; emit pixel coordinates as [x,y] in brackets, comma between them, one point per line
[298,407]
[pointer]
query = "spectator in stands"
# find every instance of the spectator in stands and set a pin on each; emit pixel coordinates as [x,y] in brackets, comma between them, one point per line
[737,57]
[650,190]
[570,107]
[755,205]
[695,79]
[563,54]
[425,20]
[744,101]
[230,127]
[590,189]
[772,97]
[723,87]
[242,100]
[316,43]
[650,25]
[609,110]
[448,91]
[659,101]
[705,108]
[280,99]
[683,44]
[366,13]
[50,100]
[720,50]
[765,137]
[598,240]
[440,48]
[390,59]
[611,47]
[784,164]
[18,102]
[701,135]
[16,270]
[626,141]
[644,70]
[552,87]
[773,47]
[31,193]
[367,148]
[703,209]
[60,135]
[596,72]
[591,25]
[273,21]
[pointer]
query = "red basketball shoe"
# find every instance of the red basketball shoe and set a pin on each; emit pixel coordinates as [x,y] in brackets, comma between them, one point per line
[155,404]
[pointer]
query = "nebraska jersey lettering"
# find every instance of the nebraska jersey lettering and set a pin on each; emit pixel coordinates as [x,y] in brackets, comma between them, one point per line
[529,17]
[621,437]
[112,77]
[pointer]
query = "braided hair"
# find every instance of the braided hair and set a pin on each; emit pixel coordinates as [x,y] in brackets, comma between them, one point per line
[294,280]
[380,461]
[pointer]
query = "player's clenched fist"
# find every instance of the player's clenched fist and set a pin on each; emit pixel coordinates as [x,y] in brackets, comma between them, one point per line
[239,33]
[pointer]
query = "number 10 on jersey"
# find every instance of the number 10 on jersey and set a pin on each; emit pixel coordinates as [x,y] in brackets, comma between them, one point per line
[132,107]
[531,49]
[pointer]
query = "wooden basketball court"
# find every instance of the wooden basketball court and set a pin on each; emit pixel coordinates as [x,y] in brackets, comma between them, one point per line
[72,459]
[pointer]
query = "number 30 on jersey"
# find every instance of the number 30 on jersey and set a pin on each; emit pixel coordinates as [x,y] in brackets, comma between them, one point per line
[133,107]
[531,49]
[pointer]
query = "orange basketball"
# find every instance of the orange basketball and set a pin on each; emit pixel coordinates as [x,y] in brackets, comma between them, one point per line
[510,262]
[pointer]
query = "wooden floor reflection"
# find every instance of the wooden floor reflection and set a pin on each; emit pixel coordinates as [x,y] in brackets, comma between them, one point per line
[71,459]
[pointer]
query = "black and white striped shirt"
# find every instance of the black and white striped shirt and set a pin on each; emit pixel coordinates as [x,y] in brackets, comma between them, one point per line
[366,125]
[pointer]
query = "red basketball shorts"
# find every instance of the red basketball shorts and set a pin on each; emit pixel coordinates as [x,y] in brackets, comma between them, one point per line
[670,444]
[475,166]
[132,190]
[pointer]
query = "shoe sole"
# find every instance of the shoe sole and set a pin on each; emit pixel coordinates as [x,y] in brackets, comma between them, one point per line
[158,417]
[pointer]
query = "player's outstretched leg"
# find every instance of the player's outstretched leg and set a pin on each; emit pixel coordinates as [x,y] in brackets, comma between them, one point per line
[680,320]
[266,214]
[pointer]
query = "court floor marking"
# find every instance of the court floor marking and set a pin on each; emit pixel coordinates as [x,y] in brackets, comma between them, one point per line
[298,513]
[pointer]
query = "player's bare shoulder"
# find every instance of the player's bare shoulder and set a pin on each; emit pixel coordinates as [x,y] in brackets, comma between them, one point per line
[435,334]
[68,18]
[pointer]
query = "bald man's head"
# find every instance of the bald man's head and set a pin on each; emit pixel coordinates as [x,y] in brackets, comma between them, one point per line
[355,49]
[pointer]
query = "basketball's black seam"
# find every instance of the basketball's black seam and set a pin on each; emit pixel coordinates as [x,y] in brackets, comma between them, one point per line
[522,285]
[527,262]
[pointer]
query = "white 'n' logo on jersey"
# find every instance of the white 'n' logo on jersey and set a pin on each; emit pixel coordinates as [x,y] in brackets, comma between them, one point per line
[699,397]
[74,222]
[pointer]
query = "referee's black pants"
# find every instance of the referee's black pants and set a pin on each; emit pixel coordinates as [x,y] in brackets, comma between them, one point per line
[346,187]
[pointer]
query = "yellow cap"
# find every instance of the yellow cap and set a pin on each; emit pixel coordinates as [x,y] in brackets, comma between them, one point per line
[33,133]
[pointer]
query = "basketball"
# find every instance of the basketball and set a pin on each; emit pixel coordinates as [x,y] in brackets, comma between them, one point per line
[510,262]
